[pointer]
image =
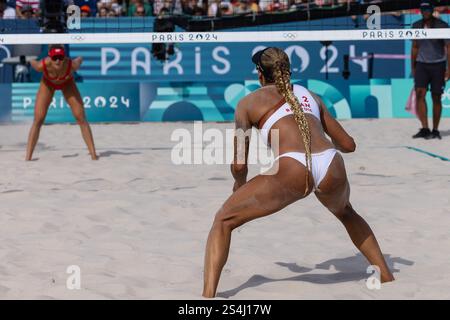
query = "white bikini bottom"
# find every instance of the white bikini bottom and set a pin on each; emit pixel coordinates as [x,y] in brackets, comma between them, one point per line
[320,162]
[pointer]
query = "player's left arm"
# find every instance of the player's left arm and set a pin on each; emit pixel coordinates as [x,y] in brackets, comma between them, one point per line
[76,63]
[242,135]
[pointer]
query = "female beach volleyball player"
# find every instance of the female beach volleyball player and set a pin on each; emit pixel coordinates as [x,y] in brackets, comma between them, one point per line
[57,71]
[307,161]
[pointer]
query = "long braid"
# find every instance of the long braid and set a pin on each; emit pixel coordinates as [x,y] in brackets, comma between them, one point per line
[282,81]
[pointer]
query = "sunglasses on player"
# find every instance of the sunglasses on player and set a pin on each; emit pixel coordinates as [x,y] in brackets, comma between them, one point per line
[60,58]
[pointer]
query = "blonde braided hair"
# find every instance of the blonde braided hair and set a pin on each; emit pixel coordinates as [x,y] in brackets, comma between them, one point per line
[276,63]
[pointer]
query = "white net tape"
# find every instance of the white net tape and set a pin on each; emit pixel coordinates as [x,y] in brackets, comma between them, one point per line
[217,37]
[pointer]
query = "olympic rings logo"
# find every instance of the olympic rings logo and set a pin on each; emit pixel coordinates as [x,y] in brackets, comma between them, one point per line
[77,37]
[289,35]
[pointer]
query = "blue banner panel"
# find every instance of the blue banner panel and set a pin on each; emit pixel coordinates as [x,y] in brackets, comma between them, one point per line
[210,101]
[232,61]
[216,101]
[103,102]
[5,102]
[183,101]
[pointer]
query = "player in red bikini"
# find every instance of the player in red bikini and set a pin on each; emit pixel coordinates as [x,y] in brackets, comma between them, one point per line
[57,71]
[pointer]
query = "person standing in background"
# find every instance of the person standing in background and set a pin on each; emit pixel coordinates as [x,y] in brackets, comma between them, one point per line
[33,4]
[430,65]
[85,11]
[5,11]
[91,4]
[132,8]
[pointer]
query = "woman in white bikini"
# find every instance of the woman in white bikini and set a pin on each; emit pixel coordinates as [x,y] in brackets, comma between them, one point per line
[307,161]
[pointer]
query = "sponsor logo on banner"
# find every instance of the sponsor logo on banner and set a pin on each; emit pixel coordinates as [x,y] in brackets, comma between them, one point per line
[289,36]
[185,37]
[195,62]
[77,37]
[103,102]
[394,34]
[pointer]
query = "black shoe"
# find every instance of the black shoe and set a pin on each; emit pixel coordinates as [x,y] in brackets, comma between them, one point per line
[423,133]
[435,134]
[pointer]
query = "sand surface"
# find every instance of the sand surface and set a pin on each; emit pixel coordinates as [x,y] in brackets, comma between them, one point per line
[136,224]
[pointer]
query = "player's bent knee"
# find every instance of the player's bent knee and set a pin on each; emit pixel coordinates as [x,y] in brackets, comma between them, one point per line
[344,213]
[226,220]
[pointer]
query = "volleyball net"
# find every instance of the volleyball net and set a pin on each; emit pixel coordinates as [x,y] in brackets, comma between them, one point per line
[164,68]
[284,21]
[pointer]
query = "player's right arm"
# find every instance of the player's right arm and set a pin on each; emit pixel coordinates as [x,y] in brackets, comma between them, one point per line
[239,168]
[340,138]
[37,65]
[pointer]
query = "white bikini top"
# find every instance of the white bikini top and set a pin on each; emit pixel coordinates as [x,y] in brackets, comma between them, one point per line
[283,109]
